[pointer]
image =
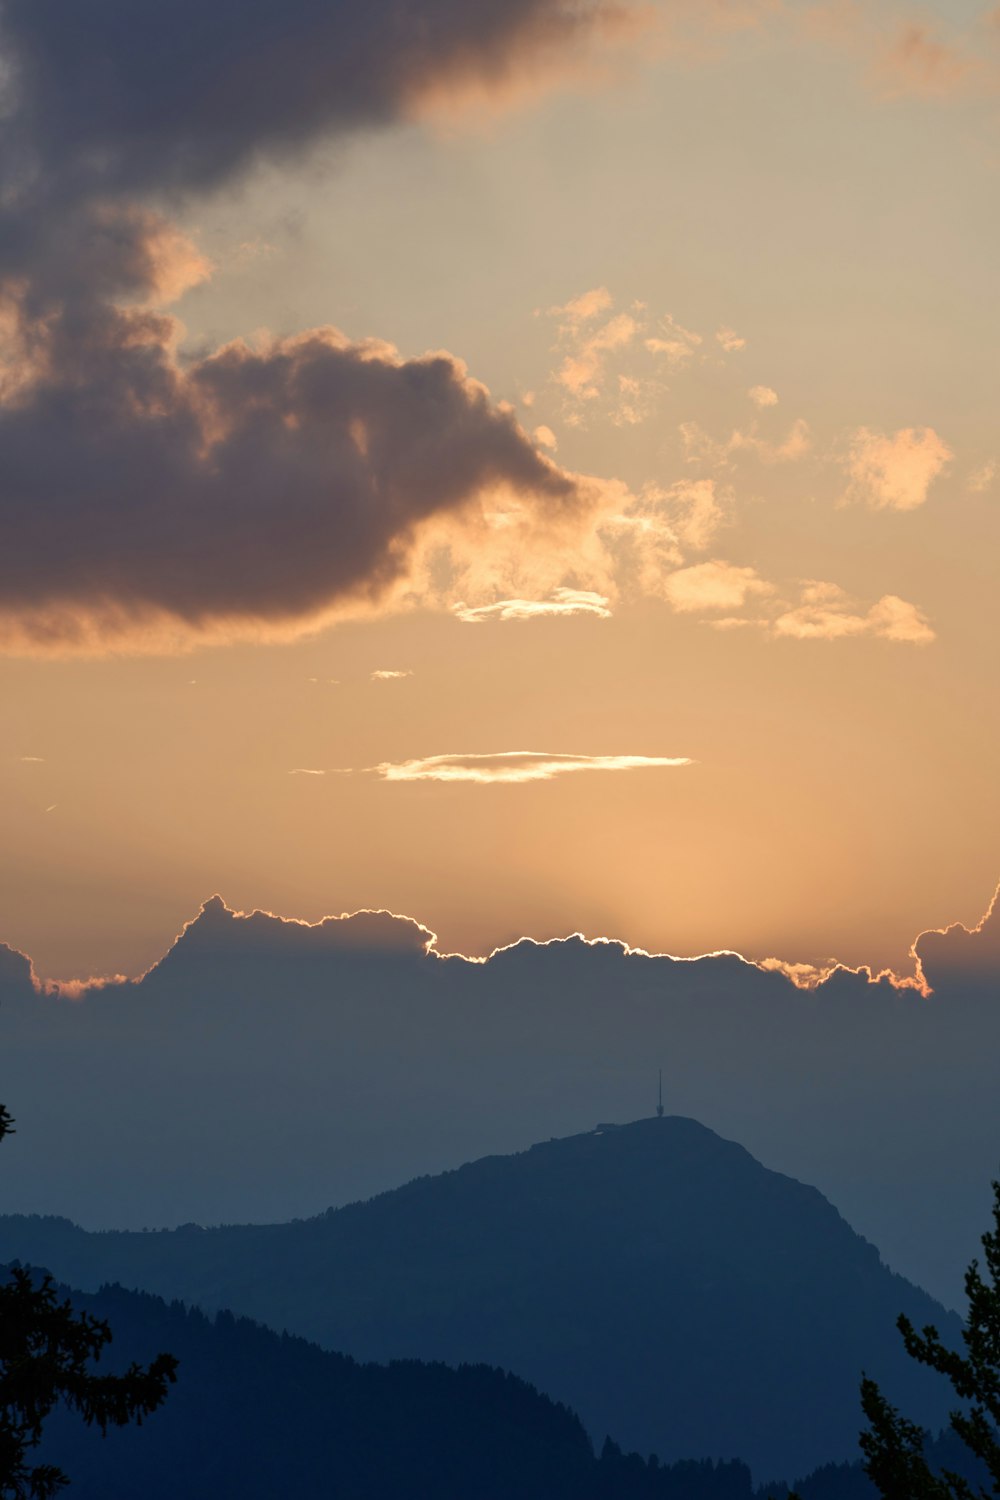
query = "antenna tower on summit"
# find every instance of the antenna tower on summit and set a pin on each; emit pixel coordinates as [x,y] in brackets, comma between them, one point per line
[659,1098]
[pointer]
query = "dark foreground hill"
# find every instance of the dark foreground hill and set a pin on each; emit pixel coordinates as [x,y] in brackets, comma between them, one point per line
[262,1416]
[654,1277]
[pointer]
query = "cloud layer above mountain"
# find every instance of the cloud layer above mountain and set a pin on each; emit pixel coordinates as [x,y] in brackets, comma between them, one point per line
[267,1068]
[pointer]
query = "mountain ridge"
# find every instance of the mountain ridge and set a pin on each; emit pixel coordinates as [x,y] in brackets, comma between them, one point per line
[655,1277]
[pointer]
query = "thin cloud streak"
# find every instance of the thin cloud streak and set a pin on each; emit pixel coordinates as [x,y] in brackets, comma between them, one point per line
[561,604]
[516,766]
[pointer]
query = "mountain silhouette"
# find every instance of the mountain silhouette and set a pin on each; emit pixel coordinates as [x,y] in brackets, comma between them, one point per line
[259,1415]
[653,1276]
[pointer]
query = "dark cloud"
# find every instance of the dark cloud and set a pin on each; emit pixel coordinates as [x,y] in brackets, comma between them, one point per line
[265,1069]
[255,485]
[962,955]
[134,96]
[144,500]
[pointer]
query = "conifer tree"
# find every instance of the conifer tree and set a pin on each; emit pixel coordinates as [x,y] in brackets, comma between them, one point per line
[894,1446]
[46,1352]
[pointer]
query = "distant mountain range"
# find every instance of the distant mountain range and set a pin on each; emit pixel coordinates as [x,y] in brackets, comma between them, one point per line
[653,1276]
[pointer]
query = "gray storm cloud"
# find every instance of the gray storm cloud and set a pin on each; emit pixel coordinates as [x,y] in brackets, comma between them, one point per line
[129,96]
[147,501]
[256,485]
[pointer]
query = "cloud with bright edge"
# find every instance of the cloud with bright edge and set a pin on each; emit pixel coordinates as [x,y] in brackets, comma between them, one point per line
[517,766]
[140,496]
[139,493]
[894,471]
[389,674]
[561,604]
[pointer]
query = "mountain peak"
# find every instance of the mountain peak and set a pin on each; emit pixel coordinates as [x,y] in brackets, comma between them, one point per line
[653,1275]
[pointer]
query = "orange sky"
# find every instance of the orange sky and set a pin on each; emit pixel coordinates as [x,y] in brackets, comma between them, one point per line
[658,601]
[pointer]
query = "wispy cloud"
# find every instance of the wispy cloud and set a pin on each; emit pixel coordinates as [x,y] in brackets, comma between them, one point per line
[32,760]
[714,585]
[730,340]
[915,63]
[561,604]
[515,766]
[904,58]
[614,362]
[894,471]
[583,309]
[762,395]
[722,453]
[389,674]
[673,341]
[981,479]
[827,613]
[582,371]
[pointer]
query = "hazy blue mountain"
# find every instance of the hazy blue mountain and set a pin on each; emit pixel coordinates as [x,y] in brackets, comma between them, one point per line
[264,1069]
[655,1277]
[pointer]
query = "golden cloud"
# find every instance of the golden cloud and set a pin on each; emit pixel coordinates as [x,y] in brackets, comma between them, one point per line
[561,604]
[894,471]
[517,766]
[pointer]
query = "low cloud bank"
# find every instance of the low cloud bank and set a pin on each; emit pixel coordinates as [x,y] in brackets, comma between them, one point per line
[379,1058]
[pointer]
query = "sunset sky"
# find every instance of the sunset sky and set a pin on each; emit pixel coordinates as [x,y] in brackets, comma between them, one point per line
[534,471]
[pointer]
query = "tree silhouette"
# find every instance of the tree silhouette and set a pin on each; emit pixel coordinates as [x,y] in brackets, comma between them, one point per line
[894,1446]
[45,1353]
